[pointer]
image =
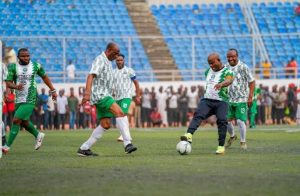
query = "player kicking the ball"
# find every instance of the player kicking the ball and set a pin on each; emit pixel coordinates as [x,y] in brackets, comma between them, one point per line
[218,78]
[99,88]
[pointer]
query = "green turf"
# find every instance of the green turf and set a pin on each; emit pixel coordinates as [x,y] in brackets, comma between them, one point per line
[271,166]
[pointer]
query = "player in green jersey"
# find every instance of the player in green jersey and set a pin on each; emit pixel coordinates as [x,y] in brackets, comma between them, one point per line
[21,77]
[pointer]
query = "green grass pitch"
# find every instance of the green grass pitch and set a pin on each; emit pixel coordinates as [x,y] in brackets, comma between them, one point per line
[271,165]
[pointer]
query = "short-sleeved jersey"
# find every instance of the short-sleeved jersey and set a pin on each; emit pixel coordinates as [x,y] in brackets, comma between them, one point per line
[213,78]
[123,83]
[239,89]
[103,82]
[26,75]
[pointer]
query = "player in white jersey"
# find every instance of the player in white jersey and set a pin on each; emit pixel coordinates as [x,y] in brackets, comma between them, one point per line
[99,89]
[124,79]
[218,78]
[240,97]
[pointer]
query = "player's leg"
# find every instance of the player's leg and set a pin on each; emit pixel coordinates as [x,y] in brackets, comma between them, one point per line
[122,125]
[202,112]
[221,110]
[241,116]
[39,136]
[85,148]
[124,105]
[230,128]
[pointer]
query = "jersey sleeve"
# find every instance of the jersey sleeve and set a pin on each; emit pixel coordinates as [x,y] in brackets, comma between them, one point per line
[248,74]
[97,65]
[132,74]
[11,73]
[40,70]
[206,72]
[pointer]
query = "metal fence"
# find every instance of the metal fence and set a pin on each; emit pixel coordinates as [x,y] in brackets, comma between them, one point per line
[189,52]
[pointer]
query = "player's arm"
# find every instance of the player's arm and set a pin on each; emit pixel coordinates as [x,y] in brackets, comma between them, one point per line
[228,80]
[251,92]
[48,82]
[137,91]
[12,85]
[88,88]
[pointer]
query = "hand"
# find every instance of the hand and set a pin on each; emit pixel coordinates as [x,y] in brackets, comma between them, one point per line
[54,96]
[218,86]
[19,87]
[249,101]
[138,100]
[86,98]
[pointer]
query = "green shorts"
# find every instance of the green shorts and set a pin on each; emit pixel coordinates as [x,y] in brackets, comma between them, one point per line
[124,104]
[103,107]
[23,111]
[238,111]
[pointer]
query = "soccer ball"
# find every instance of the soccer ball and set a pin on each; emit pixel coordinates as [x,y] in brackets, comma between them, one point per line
[184,148]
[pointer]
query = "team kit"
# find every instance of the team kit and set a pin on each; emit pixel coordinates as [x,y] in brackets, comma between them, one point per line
[229,90]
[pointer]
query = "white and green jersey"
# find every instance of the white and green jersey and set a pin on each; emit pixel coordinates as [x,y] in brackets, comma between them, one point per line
[213,78]
[123,81]
[103,82]
[25,74]
[239,89]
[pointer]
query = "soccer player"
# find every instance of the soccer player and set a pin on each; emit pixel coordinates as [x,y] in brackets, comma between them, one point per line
[124,78]
[240,97]
[21,77]
[99,87]
[218,78]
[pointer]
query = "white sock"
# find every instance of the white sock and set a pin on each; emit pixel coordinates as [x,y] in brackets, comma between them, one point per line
[230,129]
[242,128]
[96,134]
[123,126]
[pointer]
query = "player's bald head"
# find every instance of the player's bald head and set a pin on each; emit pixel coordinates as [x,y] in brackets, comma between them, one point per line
[112,51]
[213,56]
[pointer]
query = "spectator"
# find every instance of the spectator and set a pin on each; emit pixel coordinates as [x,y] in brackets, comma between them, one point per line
[93,116]
[146,108]
[291,68]
[80,123]
[193,99]
[297,10]
[10,56]
[272,95]
[155,118]
[266,65]
[10,104]
[137,113]
[161,98]
[62,107]
[280,101]
[173,109]
[298,107]
[44,99]
[73,106]
[183,107]
[51,108]
[71,71]
[87,114]
[291,104]
[268,106]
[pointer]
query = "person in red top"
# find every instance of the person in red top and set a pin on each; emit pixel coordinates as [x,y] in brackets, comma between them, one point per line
[10,104]
[155,118]
[291,68]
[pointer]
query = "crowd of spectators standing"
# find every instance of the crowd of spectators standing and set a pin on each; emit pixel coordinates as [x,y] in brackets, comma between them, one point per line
[164,107]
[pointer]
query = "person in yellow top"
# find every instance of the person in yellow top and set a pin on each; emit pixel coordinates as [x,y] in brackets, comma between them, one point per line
[266,65]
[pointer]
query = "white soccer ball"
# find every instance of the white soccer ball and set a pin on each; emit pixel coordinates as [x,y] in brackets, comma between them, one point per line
[184,148]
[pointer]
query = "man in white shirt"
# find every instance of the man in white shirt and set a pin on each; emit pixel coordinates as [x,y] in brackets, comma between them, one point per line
[71,71]
[62,106]
[161,98]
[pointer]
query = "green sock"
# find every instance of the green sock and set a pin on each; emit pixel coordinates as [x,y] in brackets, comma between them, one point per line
[13,134]
[31,129]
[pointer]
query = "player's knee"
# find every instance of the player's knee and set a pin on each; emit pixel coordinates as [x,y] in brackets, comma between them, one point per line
[105,124]
[17,121]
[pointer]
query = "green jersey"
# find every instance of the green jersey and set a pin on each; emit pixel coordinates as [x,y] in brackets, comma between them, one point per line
[25,74]
[213,78]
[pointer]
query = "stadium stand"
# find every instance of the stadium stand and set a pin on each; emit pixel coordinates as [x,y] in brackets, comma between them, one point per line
[278,18]
[203,21]
[73,20]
